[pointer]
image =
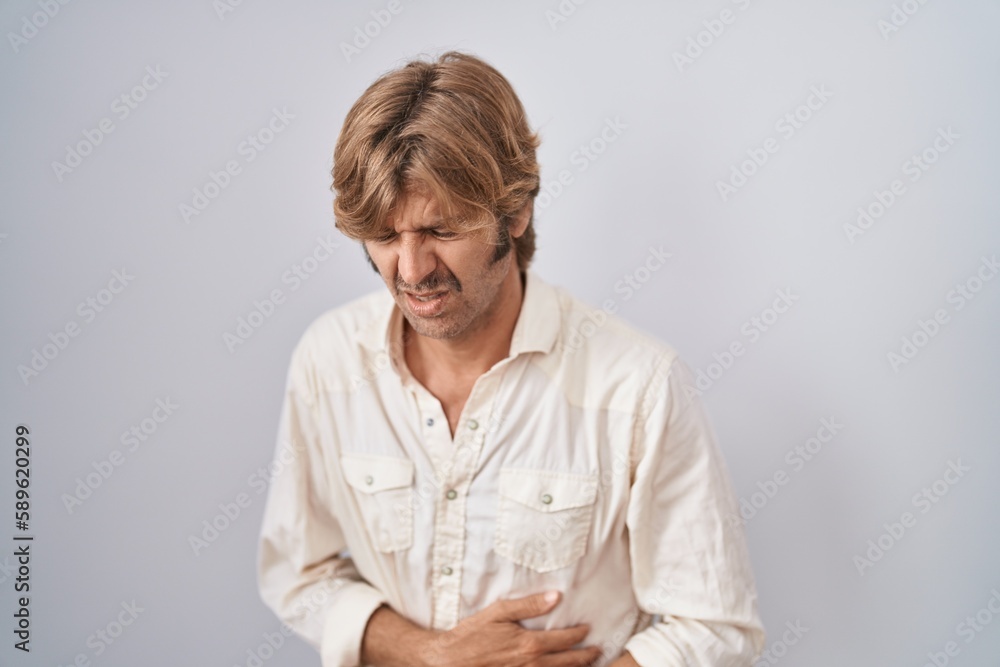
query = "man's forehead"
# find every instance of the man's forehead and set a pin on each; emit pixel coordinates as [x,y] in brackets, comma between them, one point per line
[416,204]
[420,208]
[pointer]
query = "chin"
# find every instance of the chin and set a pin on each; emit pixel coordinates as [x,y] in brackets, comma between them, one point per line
[438,328]
[439,331]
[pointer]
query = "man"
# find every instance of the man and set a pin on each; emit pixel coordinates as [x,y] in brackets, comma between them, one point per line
[459,446]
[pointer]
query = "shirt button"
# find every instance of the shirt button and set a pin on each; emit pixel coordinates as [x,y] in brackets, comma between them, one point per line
[446,570]
[369,479]
[430,421]
[473,424]
[451,494]
[547,499]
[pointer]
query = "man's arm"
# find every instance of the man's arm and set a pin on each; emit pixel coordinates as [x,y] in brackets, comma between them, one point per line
[301,575]
[626,660]
[492,637]
[688,552]
[391,640]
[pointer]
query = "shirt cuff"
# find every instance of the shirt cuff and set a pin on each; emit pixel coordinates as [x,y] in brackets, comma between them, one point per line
[344,628]
[648,651]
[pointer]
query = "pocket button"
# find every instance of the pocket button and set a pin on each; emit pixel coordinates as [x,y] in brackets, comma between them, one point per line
[385,503]
[544,517]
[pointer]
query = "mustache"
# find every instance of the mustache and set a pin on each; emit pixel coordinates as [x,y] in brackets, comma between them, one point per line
[433,282]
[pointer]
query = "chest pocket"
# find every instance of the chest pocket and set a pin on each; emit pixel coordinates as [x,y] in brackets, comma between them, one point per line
[544,517]
[383,487]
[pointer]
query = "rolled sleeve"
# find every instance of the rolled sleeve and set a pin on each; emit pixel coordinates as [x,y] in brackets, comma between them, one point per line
[302,572]
[688,554]
[346,623]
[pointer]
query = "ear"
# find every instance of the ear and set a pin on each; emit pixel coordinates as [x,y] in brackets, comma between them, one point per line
[519,223]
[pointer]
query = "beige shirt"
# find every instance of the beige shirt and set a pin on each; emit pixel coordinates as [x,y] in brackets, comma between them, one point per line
[580,463]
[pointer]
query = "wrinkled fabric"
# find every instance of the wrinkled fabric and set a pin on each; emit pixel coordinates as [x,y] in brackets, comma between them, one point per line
[583,462]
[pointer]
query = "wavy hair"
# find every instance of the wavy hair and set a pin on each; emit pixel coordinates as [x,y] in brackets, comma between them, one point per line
[454,127]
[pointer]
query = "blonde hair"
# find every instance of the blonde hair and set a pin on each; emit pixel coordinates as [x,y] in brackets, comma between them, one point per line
[454,127]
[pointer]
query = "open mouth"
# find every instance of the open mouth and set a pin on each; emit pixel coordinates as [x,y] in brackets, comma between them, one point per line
[426,305]
[425,297]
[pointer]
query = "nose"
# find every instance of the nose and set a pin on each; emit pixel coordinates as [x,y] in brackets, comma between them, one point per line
[416,259]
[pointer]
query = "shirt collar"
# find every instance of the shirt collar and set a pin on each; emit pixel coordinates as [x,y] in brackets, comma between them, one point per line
[537,328]
[540,319]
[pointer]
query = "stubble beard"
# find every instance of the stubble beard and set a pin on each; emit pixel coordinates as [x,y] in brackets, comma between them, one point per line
[472,307]
[471,310]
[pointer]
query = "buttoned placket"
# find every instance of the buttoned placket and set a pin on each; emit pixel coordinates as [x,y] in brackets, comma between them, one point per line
[455,464]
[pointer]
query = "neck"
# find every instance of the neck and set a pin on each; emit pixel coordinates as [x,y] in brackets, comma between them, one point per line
[476,351]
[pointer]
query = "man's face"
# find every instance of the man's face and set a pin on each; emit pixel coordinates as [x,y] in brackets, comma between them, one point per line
[447,284]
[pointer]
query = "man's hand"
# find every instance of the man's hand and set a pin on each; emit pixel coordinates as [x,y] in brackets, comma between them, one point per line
[494,638]
[626,660]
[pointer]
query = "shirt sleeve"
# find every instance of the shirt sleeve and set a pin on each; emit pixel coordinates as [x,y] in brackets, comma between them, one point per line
[302,573]
[690,564]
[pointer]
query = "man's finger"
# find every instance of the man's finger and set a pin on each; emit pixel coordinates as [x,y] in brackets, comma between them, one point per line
[552,641]
[580,657]
[526,607]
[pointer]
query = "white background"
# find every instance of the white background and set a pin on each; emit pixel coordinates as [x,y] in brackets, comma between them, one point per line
[686,126]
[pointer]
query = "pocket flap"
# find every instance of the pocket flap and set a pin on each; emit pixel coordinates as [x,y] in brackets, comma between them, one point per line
[371,473]
[548,491]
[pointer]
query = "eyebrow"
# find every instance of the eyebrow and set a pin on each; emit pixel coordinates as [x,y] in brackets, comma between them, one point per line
[438,223]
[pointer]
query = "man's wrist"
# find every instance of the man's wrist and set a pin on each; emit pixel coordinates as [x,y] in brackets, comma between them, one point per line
[429,650]
[419,646]
[390,640]
[625,660]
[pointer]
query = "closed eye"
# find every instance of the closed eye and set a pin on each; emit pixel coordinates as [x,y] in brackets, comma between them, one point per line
[436,232]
